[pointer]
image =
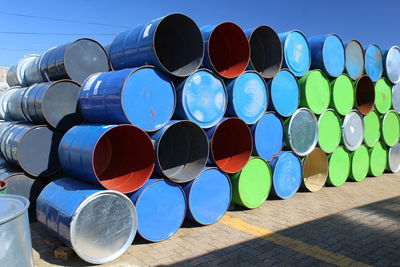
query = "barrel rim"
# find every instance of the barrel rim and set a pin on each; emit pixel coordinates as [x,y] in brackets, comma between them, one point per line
[298,87]
[297,74]
[345,120]
[340,129]
[14,215]
[281,155]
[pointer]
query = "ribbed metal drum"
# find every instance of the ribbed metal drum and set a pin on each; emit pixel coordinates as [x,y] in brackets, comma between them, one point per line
[391,64]
[359,164]
[378,159]
[329,131]
[383,96]
[315,170]
[365,94]
[16,74]
[394,158]
[396,97]
[99,225]
[4,98]
[373,62]
[372,129]
[339,167]
[352,130]
[342,94]
[354,59]
[390,128]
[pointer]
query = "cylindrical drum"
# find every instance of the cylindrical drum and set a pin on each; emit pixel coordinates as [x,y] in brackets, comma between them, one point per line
[16,73]
[329,131]
[208,196]
[390,128]
[315,170]
[342,94]
[315,91]
[99,225]
[172,43]
[117,157]
[15,234]
[354,59]
[396,97]
[378,159]
[373,62]
[359,164]
[75,61]
[383,96]
[372,129]
[352,130]
[296,52]
[301,132]
[248,97]
[339,167]
[394,158]
[231,145]
[391,64]
[365,94]
[144,97]
[266,51]
[3,187]
[251,186]
[4,99]
[327,54]
[285,93]
[160,206]
[268,136]
[201,98]
[32,72]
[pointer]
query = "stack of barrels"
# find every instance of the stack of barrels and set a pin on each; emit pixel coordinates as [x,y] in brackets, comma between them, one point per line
[172,121]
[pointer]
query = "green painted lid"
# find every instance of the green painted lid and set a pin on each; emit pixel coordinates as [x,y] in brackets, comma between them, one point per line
[383,96]
[359,164]
[377,159]
[329,131]
[372,129]
[339,167]
[342,94]
[315,91]
[251,186]
[390,128]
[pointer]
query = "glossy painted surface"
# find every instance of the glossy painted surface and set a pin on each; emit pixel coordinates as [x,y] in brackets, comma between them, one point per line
[383,96]
[342,94]
[390,128]
[373,62]
[354,59]
[329,131]
[359,164]
[296,52]
[378,159]
[372,129]
[315,91]
[339,167]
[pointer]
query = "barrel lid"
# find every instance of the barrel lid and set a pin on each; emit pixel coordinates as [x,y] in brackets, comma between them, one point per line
[354,59]
[396,97]
[316,90]
[373,62]
[297,53]
[392,64]
[287,175]
[378,159]
[315,170]
[333,55]
[383,96]
[372,129]
[343,94]
[339,167]
[329,131]
[352,130]
[394,158]
[285,93]
[12,206]
[359,163]
[268,136]
[390,128]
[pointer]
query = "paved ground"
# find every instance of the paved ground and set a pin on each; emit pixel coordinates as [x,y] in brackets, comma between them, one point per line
[357,224]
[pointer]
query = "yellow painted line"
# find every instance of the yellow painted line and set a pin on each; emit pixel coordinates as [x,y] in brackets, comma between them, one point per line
[290,243]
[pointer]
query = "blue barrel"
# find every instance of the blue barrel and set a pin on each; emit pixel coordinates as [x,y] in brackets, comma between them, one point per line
[285,93]
[248,97]
[327,54]
[144,97]
[296,52]
[268,136]
[373,62]
[208,196]
[161,207]
[117,157]
[287,175]
[201,98]
[172,43]
[354,59]
[99,225]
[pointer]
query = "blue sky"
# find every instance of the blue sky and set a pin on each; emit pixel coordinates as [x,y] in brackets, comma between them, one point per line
[367,21]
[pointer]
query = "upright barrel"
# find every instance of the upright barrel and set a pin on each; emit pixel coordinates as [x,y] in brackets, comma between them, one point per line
[339,167]
[315,91]
[3,187]
[378,159]
[383,96]
[354,59]
[373,62]
[394,158]
[315,170]
[329,131]
[342,94]
[16,74]
[396,97]
[390,128]
[352,130]
[365,94]
[372,129]
[391,64]
[359,164]
[99,225]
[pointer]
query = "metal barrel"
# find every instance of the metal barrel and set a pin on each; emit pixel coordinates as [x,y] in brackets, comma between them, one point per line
[342,94]
[390,129]
[301,132]
[227,50]
[15,234]
[286,175]
[144,97]
[352,130]
[201,98]
[327,54]
[4,98]
[378,159]
[339,167]
[396,97]
[117,157]
[208,196]
[394,158]
[181,151]
[32,72]
[248,97]
[373,62]
[75,61]
[265,51]
[32,147]
[252,185]
[383,96]
[285,93]
[315,91]
[372,129]
[296,52]
[354,59]
[267,136]
[16,74]
[14,105]
[329,131]
[3,187]
[365,94]
[359,164]
[231,145]
[172,43]
[315,170]
[391,64]
[99,225]
[161,207]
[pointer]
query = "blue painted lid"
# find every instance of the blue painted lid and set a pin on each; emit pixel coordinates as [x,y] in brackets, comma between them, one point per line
[285,93]
[148,98]
[204,98]
[373,62]
[333,55]
[354,59]
[287,175]
[297,53]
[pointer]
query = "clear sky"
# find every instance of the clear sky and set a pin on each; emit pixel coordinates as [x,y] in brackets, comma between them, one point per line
[368,21]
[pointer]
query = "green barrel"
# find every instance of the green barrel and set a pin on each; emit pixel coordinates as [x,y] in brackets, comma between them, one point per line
[315,170]
[251,186]
[329,131]
[383,96]
[315,91]
[377,159]
[339,167]
[359,164]
[390,128]
[3,187]
[372,129]
[342,96]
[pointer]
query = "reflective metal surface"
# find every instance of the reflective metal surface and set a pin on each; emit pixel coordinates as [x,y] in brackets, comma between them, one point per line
[396,97]
[352,130]
[16,73]
[392,64]
[354,59]
[394,158]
